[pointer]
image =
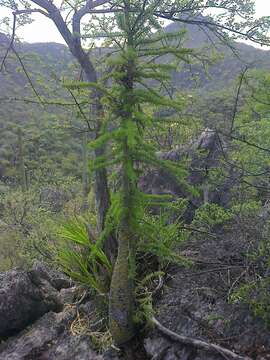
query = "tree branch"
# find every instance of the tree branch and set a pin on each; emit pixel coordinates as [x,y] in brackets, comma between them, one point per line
[199,344]
[243,73]
[10,44]
[212,25]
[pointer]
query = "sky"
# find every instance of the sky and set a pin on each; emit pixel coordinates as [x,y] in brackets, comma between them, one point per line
[43,30]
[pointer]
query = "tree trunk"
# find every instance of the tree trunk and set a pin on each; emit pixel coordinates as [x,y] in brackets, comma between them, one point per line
[122,297]
[85,177]
[121,292]
[22,172]
[121,308]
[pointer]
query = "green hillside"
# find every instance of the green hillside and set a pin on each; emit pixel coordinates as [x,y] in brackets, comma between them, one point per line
[49,130]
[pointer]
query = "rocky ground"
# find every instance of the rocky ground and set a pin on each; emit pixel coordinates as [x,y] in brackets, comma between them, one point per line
[195,303]
[40,311]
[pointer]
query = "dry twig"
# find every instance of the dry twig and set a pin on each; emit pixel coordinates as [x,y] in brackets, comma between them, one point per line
[199,344]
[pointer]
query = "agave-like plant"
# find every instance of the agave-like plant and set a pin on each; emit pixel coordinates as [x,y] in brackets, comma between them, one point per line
[81,256]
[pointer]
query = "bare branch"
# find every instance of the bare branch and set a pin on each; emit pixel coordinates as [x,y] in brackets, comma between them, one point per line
[199,344]
[45,102]
[10,44]
[27,75]
[243,141]
[31,11]
[243,73]
[88,7]
[213,25]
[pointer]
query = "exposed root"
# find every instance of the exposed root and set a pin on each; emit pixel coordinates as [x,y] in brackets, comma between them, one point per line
[199,344]
[93,327]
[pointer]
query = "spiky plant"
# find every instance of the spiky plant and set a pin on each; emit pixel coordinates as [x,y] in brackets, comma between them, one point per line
[134,68]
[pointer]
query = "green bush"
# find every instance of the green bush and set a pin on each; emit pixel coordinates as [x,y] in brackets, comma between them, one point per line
[256,295]
[162,236]
[81,257]
[255,289]
[210,215]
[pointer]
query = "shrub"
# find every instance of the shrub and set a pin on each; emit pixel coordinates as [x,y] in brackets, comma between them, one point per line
[210,215]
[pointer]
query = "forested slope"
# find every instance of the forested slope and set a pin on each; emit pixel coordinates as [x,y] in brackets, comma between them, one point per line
[47,64]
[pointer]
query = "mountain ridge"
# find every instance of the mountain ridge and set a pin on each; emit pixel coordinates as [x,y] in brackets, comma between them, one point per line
[221,73]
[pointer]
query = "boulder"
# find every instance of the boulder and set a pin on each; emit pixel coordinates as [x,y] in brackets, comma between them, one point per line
[30,343]
[49,338]
[54,198]
[24,297]
[57,279]
[203,153]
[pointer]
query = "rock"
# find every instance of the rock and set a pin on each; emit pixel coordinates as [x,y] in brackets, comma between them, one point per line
[24,297]
[160,348]
[68,296]
[49,338]
[203,153]
[33,341]
[157,346]
[72,348]
[55,278]
[54,198]
[33,321]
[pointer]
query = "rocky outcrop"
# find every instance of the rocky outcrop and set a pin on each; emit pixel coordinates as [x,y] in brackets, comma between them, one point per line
[35,324]
[203,153]
[54,198]
[194,303]
[49,339]
[27,295]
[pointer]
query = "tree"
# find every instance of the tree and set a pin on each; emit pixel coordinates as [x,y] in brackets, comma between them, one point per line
[122,104]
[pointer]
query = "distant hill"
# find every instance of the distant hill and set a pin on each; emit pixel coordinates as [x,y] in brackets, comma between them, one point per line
[224,71]
[220,74]
[49,61]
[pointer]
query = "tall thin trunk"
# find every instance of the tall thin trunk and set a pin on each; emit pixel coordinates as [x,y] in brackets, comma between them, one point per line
[21,164]
[85,177]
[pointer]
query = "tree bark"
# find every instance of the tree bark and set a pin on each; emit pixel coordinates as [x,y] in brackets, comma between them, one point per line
[85,177]
[121,307]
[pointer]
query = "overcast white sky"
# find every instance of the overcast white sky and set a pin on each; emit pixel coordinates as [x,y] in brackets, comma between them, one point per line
[44,30]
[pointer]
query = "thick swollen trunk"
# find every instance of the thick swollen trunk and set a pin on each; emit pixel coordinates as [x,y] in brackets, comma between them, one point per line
[121,293]
[122,299]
